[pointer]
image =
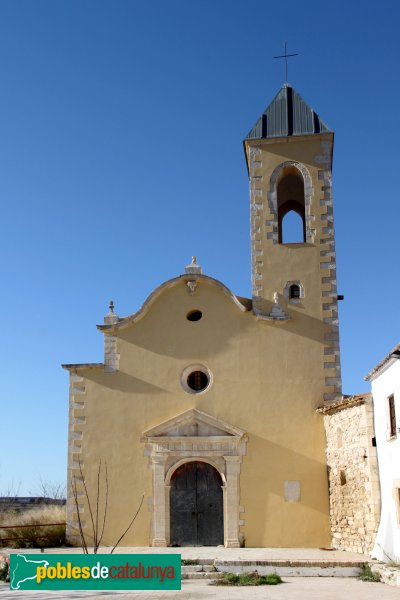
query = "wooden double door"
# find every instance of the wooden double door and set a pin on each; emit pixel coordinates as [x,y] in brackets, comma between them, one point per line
[196,506]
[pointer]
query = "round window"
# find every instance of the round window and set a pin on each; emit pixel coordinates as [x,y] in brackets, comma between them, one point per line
[196,379]
[194,315]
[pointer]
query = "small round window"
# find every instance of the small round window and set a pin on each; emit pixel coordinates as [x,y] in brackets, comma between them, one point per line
[196,379]
[194,315]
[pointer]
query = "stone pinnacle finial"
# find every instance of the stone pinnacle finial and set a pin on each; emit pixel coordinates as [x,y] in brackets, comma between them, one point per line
[193,268]
[111,317]
[277,311]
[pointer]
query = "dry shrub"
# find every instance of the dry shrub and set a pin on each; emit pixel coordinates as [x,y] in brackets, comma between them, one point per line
[4,567]
[34,536]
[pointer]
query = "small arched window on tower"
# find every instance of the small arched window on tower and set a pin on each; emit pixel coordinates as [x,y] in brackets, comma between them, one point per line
[291,207]
[294,291]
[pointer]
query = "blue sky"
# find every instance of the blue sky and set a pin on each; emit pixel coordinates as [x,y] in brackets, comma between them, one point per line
[121,128]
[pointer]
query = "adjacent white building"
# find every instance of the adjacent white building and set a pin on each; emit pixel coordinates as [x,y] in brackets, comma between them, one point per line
[385,383]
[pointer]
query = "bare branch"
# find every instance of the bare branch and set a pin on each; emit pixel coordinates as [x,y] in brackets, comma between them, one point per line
[11,492]
[55,491]
[105,507]
[88,501]
[96,544]
[75,493]
[130,524]
[95,522]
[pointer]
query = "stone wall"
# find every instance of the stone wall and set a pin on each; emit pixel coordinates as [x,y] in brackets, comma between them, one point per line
[353,473]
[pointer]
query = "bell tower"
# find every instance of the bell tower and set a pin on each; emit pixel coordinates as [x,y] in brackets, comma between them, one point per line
[289,159]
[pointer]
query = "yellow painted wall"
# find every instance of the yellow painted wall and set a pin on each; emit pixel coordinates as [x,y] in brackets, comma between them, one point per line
[261,383]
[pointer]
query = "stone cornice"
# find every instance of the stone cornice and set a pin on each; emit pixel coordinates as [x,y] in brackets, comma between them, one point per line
[77,366]
[243,304]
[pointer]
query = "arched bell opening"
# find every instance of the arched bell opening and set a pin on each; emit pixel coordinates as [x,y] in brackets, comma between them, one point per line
[291,207]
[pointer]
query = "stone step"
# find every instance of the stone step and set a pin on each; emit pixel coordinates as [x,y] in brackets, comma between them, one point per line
[201,561]
[202,575]
[197,568]
[292,568]
[209,568]
[328,566]
[191,568]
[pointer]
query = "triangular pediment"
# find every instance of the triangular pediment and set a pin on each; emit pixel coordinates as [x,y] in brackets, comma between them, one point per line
[193,423]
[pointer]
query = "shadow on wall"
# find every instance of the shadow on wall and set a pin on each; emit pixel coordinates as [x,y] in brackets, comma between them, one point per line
[173,335]
[123,382]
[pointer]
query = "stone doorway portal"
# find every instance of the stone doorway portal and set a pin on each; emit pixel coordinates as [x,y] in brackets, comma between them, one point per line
[194,436]
[196,506]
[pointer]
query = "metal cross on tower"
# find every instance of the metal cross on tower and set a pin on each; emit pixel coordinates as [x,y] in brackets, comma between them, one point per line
[286,56]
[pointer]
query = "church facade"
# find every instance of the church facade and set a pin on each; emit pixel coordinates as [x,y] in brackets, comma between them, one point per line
[206,401]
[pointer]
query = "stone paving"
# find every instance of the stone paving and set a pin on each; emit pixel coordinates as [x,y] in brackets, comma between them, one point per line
[293,588]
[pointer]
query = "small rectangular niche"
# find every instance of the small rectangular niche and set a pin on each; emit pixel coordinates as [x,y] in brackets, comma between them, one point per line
[291,490]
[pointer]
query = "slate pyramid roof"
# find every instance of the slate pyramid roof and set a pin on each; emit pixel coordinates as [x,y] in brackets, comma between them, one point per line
[287,115]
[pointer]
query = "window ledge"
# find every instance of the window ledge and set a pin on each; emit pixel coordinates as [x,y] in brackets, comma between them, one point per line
[264,317]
